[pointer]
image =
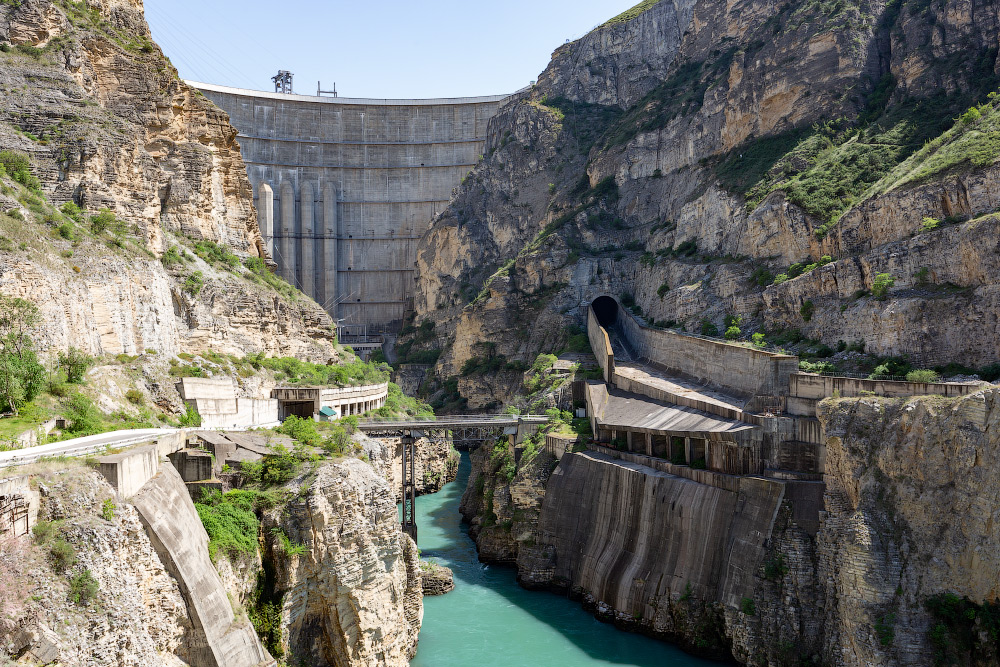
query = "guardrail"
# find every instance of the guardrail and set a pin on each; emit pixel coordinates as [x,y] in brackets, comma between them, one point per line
[81,450]
[446,421]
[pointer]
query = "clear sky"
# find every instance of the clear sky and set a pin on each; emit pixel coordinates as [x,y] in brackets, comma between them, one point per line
[392,48]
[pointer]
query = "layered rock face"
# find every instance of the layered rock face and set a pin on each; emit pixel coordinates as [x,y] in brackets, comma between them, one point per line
[435,464]
[902,570]
[143,618]
[354,597]
[107,123]
[908,484]
[503,512]
[683,155]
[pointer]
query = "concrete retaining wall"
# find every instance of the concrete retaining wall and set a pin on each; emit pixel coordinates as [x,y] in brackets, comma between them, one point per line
[612,523]
[600,344]
[806,390]
[176,532]
[739,370]
[129,471]
[215,400]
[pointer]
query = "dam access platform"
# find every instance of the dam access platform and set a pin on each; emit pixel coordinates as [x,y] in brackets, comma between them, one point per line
[715,411]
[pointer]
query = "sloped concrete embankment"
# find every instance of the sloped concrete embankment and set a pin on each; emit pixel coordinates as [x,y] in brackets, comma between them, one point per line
[651,551]
[180,540]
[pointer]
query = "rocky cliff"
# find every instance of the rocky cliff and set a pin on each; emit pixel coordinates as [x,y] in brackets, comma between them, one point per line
[108,126]
[94,590]
[900,571]
[353,595]
[701,161]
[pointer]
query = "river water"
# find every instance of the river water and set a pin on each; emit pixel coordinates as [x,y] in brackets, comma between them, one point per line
[488,620]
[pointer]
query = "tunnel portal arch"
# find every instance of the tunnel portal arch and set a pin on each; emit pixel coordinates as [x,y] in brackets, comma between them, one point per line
[606,308]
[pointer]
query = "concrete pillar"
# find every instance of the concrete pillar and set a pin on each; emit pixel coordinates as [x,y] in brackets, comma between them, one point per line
[328,255]
[687,450]
[307,230]
[286,251]
[265,216]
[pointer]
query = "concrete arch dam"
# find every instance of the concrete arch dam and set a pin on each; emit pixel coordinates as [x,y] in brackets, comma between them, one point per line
[346,187]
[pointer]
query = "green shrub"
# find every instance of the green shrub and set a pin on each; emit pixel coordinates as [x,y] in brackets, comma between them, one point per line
[301,429]
[807,309]
[748,606]
[83,416]
[214,253]
[194,283]
[885,629]
[75,363]
[83,588]
[780,278]
[190,418]
[67,231]
[232,527]
[135,397]
[881,285]
[63,555]
[708,328]
[733,333]
[929,224]
[775,568]
[922,375]
[44,531]
[172,257]
[662,290]
[108,509]
[762,277]
[757,340]
[106,221]
[71,210]
[15,163]
[286,546]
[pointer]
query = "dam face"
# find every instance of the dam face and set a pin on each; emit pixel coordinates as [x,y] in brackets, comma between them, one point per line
[346,187]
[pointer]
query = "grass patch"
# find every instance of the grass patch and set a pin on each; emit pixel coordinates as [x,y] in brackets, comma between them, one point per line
[630,14]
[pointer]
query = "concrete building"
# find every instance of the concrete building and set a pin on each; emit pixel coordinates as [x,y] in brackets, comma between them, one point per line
[346,187]
[309,402]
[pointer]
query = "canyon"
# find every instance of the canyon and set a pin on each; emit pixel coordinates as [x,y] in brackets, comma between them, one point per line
[741,256]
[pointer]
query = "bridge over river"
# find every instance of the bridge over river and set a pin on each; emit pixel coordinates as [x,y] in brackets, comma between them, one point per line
[459,428]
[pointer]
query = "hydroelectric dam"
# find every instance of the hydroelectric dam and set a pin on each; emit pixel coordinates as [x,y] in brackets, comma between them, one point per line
[345,188]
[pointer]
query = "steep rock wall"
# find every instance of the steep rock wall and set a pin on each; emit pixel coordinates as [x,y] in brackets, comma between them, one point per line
[587,190]
[138,616]
[354,597]
[107,123]
[908,483]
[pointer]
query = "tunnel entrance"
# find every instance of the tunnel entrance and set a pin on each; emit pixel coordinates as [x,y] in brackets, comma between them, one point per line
[606,310]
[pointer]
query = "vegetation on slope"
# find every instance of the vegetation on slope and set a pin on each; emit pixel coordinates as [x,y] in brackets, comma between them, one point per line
[974,140]
[630,14]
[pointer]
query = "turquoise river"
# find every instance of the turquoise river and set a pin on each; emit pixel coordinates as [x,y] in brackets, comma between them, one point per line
[488,620]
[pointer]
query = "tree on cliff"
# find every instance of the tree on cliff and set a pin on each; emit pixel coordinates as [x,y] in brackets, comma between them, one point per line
[21,376]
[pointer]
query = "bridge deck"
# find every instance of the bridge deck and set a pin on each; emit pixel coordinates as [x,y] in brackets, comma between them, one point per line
[451,421]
